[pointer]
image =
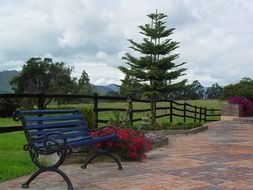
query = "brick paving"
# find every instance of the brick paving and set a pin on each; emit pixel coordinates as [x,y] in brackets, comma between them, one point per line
[220,158]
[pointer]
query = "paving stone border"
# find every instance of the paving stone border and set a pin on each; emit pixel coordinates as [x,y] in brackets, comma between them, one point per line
[243,120]
[186,132]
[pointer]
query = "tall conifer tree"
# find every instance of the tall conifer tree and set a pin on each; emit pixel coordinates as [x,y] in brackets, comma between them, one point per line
[154,69]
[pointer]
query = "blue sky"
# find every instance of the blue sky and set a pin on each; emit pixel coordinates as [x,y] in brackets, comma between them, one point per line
[216,36]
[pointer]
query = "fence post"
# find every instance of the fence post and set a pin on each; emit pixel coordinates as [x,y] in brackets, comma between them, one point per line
[184,112]
[95,108]
[41,101]
[205,115]
[200,114]
[153,111]
[195,114]
[130,110]
[171,111]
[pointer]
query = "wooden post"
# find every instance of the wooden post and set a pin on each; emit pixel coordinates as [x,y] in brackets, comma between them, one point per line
[95,108]
[171,111]
[195,114]
[205,115]
[41,102]
[200,114]
[184,112]
[153,111]
[41,105]
[130,110]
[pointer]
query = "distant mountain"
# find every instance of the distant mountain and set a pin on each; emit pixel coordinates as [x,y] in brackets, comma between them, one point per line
[5,77]
[114,87]
[103,90]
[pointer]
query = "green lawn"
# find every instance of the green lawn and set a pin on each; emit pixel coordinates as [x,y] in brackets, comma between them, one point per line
[15,162]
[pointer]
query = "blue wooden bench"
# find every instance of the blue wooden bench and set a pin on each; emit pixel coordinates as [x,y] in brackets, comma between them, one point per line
[62,132]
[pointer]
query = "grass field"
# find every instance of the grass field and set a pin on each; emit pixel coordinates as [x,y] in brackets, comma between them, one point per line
[15,162]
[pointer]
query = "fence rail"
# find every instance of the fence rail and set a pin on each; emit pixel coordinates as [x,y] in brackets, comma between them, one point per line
[174,109]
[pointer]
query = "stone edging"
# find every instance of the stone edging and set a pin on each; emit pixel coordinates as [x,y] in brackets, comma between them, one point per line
[188,131]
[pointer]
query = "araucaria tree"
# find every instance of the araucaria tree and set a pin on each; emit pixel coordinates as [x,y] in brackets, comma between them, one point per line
[154,70]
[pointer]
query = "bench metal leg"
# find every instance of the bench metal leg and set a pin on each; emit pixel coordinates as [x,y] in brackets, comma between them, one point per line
[84,166]
[41,170]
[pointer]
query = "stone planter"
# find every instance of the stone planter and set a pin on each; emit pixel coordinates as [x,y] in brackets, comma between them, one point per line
[230,111]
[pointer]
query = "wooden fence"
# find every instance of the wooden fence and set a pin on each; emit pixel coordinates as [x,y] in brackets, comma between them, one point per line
[172,110]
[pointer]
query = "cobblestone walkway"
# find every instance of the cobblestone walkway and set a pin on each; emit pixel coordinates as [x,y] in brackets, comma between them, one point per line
[219,158]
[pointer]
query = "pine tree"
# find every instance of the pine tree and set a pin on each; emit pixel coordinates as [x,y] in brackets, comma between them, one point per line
[84,84]
[154,70]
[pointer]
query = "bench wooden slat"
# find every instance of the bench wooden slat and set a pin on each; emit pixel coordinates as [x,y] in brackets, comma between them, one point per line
[28,112]
[53,118]
[71,139]
[54,125]
[61,130]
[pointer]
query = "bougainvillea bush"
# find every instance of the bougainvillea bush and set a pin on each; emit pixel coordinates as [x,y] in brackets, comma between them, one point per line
[131,145]
[242,101]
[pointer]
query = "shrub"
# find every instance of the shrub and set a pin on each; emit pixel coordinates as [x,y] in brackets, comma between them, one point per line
[118,119]
[7,108]
[242,101]
[89,116]
[132,145]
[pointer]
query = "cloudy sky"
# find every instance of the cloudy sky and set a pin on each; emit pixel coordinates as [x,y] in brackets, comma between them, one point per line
[216,36]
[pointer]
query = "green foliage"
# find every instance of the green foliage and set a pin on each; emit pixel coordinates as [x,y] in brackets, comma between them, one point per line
[43,76]
[130,87]
[214,91]
[119,119]
[84,84]
[7,108]
[196,91]
[113,93]
[89,116]
[192,91]
[177,126]
[153,72]
[243,88]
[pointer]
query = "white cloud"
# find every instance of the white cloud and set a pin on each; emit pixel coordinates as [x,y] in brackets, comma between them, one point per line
[99,73]
[216,37]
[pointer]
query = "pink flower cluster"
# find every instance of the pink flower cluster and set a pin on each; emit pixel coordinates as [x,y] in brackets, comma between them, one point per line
[131,144]
[242,101]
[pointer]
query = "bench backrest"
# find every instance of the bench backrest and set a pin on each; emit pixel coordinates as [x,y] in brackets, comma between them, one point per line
[42,122]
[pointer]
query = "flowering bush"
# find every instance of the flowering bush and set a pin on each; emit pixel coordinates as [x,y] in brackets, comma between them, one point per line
[130,145]
[242,101]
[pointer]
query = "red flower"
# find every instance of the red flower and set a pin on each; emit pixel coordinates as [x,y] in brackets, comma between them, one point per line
[133,155]
[119,144]
[132,147]
[109,144]
[98,145]
[93,133]
[131,144]
[137,140]
[122,135]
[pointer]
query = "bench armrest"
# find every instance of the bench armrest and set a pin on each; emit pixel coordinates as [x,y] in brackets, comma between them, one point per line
[50,143]
[102,132]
